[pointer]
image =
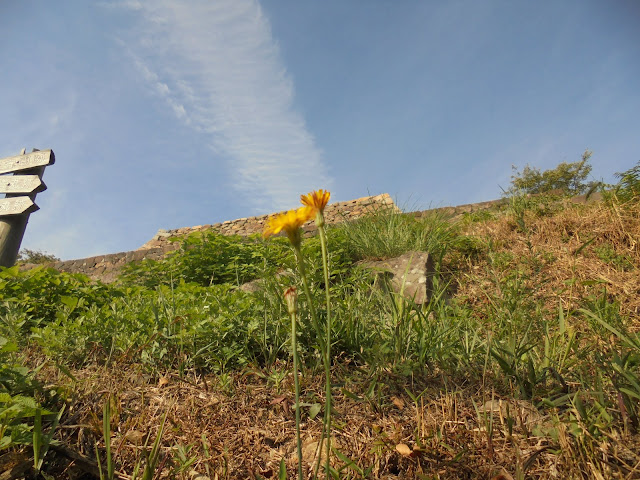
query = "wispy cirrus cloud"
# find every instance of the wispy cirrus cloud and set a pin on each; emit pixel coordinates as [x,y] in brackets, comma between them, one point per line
[218,68]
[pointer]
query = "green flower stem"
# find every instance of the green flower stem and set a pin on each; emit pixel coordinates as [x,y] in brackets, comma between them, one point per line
[296,383]
[327,350]
[307,292]
[325,345]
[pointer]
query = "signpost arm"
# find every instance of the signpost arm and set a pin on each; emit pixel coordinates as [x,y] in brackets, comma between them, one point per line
[12,227]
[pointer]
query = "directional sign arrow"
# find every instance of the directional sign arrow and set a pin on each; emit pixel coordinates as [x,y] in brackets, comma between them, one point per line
[21,184]
[29,160]
[17,205]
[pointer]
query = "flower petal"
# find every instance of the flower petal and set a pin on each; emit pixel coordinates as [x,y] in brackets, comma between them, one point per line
[317,199]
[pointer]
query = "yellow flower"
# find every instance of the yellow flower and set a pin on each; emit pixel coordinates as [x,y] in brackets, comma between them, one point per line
[290,222]
[316,200]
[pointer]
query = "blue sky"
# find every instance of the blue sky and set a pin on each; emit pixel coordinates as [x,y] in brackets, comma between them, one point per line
[165,114]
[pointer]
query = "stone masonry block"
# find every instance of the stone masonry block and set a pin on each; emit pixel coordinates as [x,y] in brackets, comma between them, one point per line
[411,273]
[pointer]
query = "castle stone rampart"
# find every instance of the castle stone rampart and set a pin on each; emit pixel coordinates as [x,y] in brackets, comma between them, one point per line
[107,267]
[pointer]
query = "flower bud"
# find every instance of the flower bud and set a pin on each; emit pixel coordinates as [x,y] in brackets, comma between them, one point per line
[291,297]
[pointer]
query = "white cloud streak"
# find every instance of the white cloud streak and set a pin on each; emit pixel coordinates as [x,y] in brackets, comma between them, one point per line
[218,68]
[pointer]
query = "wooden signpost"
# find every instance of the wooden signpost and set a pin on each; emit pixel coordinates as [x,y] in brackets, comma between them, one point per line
[37,158]
[21,184]
[17,206]
[18,203]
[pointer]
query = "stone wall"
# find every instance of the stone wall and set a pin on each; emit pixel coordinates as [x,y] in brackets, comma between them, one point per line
[107,267]
[334,213]
[459,210]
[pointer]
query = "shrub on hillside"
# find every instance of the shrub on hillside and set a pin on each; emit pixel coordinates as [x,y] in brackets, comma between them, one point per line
[628,188]
[569,178]
[39,295]
[209,259]
[36,256]
[214,259]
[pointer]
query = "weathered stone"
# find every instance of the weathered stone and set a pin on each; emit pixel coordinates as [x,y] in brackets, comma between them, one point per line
[23,267]
[139,255]
[411,273]
[252,286]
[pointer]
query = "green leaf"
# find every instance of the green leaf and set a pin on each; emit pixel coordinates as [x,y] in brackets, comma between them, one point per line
[631,393]
[612,329]
[6,346]
[70,302]
[314,410]
[350,463]
[25,402]
[37,440]
[583,246]
[351,395]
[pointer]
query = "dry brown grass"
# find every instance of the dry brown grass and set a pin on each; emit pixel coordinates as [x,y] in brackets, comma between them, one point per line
[549,253]
[249,427]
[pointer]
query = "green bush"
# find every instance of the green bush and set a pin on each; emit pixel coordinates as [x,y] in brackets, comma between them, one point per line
[569,178]
[210,259]
[184,325]
[608,254]
[35,296]
[628,188]
[36,256]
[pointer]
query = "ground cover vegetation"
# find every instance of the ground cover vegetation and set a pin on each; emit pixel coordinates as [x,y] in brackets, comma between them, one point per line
[525,363]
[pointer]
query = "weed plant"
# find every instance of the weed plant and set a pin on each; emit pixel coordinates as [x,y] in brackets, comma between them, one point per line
[627,190]
[34,297]
[24,420]
[210,258]
[385,233]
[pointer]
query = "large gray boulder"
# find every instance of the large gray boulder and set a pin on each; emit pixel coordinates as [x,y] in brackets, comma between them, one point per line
[411,273]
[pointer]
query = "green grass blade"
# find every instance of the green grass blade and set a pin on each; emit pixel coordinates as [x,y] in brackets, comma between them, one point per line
[37,438]
[154,456]
[282,474]
[106,432]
